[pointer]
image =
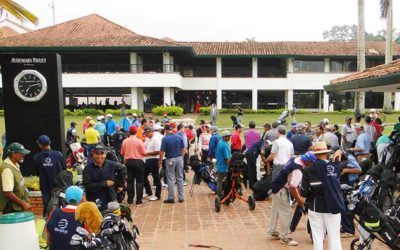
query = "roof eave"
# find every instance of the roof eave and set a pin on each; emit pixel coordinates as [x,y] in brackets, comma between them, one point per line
[389,79]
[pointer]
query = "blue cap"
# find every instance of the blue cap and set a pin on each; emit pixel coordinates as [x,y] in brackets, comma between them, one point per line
[294,124]
[73,193]
[43,140]
[308,157]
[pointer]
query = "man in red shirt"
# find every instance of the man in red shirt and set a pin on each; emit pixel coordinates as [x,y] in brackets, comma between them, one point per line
[134,152]
[236,142]
[377,123]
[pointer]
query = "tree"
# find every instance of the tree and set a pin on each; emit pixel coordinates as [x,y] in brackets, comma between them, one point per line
[250,40]
[18,11]
[360,51]
[341,33]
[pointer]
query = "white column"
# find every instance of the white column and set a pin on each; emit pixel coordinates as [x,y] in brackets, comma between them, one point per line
[140,99]
[219,76]
[326,65]
[290,65]
[255,67]
[172,96]
[254,100]
[219,98]
[166,62]
[326,101]
[387,101]
[134,98]
[167,95]
[133,62]
[171,62]
[219,67]
[397,101]
[290,98]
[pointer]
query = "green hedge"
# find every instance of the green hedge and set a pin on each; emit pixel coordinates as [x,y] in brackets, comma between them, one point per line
[94,112]
[173,110]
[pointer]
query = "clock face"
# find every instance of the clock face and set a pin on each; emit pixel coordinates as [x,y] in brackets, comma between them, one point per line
[30,85]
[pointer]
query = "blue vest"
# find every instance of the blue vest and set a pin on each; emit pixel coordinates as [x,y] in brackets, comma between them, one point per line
[281,179]
[61,226]
[329,174]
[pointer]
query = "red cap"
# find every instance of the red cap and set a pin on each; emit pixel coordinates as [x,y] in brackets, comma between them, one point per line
[173,125]
[132,128]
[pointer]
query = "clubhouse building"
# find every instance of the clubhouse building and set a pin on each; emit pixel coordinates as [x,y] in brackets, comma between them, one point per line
[103,59]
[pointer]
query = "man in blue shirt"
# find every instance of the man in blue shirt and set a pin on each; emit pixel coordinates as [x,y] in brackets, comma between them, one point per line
[110,128]
[252,154]
[172,147]
[100,127]
[363,144]
[49,164]
[223,155]
[125,123]
[301,143]
[214,140]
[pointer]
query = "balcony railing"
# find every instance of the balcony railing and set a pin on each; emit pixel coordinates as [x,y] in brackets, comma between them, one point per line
[120,68]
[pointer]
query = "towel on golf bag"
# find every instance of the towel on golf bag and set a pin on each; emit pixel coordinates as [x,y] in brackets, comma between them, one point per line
[262,188]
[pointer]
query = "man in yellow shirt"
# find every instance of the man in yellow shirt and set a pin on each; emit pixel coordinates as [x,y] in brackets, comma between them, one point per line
[13,192]
[92,137]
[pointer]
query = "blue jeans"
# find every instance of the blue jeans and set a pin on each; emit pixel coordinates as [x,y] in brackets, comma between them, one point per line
[174,171]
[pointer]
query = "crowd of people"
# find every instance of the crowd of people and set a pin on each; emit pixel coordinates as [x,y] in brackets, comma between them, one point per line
[300,162]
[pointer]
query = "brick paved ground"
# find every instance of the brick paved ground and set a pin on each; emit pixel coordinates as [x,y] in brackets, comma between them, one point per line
[176,226]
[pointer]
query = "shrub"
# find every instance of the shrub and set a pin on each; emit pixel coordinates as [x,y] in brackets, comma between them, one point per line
[205,110]
[173,110]
[68,112]
[85,112]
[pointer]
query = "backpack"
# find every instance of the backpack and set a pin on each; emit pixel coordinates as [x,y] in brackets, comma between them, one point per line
[281,179]
[262,188]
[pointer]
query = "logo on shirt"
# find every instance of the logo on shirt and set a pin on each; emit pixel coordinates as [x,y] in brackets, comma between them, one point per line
[61,226]
[331,170]
[47,162]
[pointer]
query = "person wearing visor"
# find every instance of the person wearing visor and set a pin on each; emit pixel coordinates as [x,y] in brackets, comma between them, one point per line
[13,192]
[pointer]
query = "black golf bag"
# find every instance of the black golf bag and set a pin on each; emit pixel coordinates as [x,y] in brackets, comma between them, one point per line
[63,181]
[202,173]
[262,188]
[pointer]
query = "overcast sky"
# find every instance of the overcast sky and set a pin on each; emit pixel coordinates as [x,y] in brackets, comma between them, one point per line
[219,20]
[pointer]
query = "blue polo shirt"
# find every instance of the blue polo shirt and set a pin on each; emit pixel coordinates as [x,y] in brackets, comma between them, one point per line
[100,127]
[364,142]
[301,143]
[125,123]
[352,163]
[256,149]
[172,145]
[110,127]
[212,146]
[49,164]
[223,152]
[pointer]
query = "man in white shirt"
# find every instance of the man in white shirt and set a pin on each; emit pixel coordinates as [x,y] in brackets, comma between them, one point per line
[348,134]
[152,145]
[281,152]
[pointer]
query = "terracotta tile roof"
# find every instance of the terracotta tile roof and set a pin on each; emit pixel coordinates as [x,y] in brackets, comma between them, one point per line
[7,32]
[88,31]
[374,72]
[287,48]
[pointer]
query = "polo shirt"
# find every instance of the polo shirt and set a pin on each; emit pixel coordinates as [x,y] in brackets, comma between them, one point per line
[140,134]
[204,141]
[153,144]
[331,139]
[222,153]
[92,136]
[172,145]
[271,135]
[125,123]
[85,126]
[378,128]
[256,149]
[99,126]
[189,134]
[182,135]
[283,149]
[348,132]
[290,134]
[301,143]
[7,177]
[251,136]
[371,131]
[215,138]
[236,142]
[363,142]
[352,163]
[133,148]
[49,164]
[110,127]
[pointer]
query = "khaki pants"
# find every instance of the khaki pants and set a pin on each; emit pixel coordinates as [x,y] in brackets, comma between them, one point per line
[281,210]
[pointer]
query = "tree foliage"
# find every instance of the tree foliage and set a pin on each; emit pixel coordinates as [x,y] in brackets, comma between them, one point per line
[349,33]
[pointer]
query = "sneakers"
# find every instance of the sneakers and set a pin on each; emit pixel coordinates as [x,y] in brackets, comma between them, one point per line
[184,183]
[164,185]
[169,201]
[346,235]
[153,198]
[145,195]
[273,236]
[288,241]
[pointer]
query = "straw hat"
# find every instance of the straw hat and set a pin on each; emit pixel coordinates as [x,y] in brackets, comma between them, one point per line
[320,148]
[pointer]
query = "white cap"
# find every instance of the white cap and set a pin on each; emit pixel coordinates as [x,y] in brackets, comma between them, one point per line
[109,115]
[373,110]
[99,117]
[134,114]
[157,127]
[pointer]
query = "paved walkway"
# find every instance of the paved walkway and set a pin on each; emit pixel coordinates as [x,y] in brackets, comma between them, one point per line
[179,225]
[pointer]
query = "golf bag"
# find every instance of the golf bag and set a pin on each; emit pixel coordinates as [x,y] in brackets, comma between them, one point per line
[262,188]
[234,121]
[63,181]
[282,118]
[202,173]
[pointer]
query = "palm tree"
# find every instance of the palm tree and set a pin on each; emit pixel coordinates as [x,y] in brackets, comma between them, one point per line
[387,13]
[18,11]
[360,51]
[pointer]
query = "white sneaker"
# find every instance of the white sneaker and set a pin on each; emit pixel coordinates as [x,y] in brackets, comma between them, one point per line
[164,185]
[145,195]
[184,183]
[153,198]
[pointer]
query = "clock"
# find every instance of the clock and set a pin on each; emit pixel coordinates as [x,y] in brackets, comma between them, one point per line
[30,85]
